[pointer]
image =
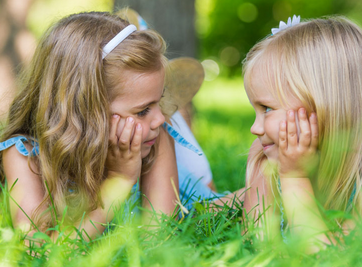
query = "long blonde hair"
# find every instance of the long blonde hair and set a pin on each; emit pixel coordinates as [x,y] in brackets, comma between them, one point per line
[64,104]
[319,62]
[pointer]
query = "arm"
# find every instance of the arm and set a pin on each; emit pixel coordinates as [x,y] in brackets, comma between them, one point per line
[123,167]
[297,192]
[123,163]
[156,184]
[28,191]
[301,209]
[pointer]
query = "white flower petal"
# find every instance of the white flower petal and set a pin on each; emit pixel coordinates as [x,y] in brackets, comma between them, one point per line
[296,20]
[282,25]
[275,30]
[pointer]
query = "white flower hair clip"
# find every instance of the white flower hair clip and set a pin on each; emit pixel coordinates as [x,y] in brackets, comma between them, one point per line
[283,25]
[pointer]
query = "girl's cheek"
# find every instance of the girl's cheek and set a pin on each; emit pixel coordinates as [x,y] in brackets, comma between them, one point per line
[145,130]
[271,127]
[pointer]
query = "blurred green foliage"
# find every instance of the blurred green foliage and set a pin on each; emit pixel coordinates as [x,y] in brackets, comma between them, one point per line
[227,29]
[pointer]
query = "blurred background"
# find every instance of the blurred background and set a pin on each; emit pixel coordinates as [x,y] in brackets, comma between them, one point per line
[217,32]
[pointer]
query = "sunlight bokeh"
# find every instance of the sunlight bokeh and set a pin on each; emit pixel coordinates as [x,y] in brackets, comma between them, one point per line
[45,12]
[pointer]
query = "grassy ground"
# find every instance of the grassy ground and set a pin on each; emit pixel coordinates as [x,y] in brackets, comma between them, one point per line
[222,121]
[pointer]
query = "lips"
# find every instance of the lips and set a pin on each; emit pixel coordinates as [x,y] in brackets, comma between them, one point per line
[151,141]
[266,146]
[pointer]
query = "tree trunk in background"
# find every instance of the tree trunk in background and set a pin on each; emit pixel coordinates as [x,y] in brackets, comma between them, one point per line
[173,19]
[17,45]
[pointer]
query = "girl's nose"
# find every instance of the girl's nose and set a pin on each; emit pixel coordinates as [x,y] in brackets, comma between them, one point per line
[257,128]
[158,120]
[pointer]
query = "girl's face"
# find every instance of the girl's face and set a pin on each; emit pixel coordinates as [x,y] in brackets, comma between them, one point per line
[141,94]
[269,114]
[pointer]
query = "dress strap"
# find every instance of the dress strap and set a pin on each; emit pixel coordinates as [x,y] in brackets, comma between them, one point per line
[285,240]
[18,141]
[350,200]
[179,138]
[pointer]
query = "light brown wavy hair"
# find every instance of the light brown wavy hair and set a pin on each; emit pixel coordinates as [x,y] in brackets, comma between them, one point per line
[64,105]
[319,62]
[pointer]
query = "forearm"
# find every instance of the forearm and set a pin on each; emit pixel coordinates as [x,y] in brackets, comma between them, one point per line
[301,209]
[114,191]
[159,193]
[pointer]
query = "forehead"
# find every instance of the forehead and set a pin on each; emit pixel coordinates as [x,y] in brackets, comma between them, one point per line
[139,83]
[257,84]
[262,88]
[138,90]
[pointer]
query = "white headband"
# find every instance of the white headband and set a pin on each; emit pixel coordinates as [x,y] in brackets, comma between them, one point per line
[116,40]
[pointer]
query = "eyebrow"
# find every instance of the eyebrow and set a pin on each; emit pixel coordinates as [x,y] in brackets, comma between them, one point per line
[143,106]
[264,102]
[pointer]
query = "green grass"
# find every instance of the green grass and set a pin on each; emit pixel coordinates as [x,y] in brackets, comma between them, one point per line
[222,121]
[223,117]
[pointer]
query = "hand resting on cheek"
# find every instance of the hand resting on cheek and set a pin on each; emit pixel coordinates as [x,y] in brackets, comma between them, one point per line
[296,150]
[124,152]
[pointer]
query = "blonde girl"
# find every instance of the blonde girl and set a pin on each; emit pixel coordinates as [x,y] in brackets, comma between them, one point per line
[86,124]
[302,72]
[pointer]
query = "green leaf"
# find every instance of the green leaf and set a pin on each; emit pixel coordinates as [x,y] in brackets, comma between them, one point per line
[42,236]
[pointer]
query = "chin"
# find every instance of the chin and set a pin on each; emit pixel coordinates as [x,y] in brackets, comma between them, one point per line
[145,153]
[273,156]
[272,159]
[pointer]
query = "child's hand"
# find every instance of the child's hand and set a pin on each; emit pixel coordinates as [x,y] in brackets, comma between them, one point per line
[294,154]
[124,152]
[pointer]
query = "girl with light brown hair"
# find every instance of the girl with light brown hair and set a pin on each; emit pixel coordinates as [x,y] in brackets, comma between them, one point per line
[302,72]
[86,125]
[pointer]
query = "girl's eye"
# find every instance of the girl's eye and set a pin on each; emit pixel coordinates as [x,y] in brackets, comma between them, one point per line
[266,109]
[143,112]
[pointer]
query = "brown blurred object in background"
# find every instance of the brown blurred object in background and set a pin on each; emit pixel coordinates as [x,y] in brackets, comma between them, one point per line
[17,46]
[173,19]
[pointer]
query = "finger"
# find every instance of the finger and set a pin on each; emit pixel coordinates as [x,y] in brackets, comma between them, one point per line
[137,138]
[125,138]
[120,127]
[113,139]
[314,130]
[133,133]
[304,138]
[283,142]
[291,129]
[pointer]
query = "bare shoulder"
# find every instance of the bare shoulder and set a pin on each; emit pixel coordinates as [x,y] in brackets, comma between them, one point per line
[157,184]
[165,162]
[17,166]
[166,143]
[25,184]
